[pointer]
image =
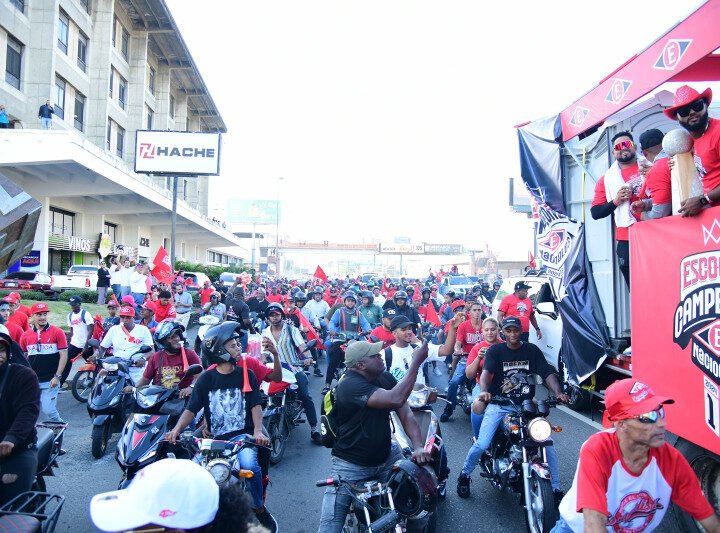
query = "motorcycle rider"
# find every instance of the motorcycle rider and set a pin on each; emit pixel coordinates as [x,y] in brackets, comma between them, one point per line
[147,313]
[371,312]
[347,319]
[446,310]
[164,306]
[230,413]
[125,339]
[258,303]
[473,370]
[502,362]
[378,297]
[495,289]
[112,319]
[314,321]
[19,411]
[427,299]
[383,332]
[399,301]
[288,342]
[214,307]
[238,311]
[364,450]
[318,306]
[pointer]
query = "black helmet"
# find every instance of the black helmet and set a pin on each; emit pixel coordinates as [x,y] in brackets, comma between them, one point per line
[350,296]
[318,290]
[485,285]
[409,289]
[300,296]
[274,308]
[213,346]
[425,289]
[450,293]
[497,285]
[476,288]
[165,330]
[400,295]
[413,488]
[295,290]
[369,295]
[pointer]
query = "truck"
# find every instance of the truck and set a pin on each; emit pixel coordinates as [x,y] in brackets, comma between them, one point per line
[77,277]
[665,330]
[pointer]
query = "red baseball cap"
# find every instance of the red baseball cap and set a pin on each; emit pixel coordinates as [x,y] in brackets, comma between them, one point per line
[16,295]
[39,307]
[458,303]
[149,305]
[628,398]
[10,299]
[126,310]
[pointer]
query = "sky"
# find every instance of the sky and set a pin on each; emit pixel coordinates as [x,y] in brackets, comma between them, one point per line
[396,118]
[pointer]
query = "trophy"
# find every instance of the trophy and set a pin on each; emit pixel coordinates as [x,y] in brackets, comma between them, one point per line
[678,145]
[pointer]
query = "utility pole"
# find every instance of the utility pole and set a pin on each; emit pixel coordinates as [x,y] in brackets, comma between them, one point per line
[174,221]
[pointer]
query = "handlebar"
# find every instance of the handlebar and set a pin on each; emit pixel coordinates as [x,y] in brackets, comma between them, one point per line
[195,441]
[337,481]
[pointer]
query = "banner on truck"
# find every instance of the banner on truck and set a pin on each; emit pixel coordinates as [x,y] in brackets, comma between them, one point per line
[177,153]
[555,235]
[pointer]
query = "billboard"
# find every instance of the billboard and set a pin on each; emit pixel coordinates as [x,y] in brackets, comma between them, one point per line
[247,211]
[177,153]
[446,249]
[387,248]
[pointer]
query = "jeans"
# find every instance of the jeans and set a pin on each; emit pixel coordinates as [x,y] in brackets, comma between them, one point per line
[46,123]
[102,292]
[139,297]
[476,422]
[22,463]
[454,384]
[561,527]
[124,290]
[337,500]
[335,358]
[116,290]
[304,395]
[247,460]
[48,401]
[492,418]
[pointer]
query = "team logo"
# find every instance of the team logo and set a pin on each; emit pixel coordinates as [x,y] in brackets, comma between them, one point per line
[712,234]
[147,151]
[579,116]
[672,53]
[553,240]
[634,513]
[165,513]
[618,90]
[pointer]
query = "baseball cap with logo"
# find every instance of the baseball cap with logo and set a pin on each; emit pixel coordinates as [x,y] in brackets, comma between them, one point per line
[171,493]
[389,313]
[511,322]
[75,300]
[10,299]
[628,398]
[39,307]
[126,310]
[458,303]
[361,349]
[520,285]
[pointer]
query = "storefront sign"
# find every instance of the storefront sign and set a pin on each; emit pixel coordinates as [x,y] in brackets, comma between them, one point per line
[79,244]
[72,242]
[31,260]
[177,152]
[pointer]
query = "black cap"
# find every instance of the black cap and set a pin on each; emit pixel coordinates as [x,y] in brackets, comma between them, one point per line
[651,138]
[511,322]
[75,300]
[400,321]
[521,285]
[389,313]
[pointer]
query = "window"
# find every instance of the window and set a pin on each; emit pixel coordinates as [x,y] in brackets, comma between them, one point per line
[63,29]
[13,62]
[168,183]
[122,92]
[109,135]
[185,189]
[110,229]
[120,141]
[125,44]
[150,116]
[19,5]
[79,111]
[172,106]
[114,32]
[82,51]
[151,81]
[86,5]
[59,97]
[61,222]
[112,82]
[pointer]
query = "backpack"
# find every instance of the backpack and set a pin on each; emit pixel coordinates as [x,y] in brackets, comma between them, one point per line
[82,316]
[329,427]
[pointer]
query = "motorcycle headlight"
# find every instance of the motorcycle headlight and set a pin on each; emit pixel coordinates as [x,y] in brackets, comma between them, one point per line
[539,429]
[146,401]
[111,367]
[115,401]
[220,470]
[418,399]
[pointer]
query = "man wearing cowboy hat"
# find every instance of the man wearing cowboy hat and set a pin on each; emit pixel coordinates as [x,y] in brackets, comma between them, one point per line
[627,476]
[690,109]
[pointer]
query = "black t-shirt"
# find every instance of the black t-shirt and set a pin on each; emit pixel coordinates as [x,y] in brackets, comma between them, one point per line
[256,306]
[504,363]
[365,442]
[238,311]
[227,408]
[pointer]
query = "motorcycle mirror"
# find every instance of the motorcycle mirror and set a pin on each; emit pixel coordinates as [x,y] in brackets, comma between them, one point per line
[94,343]
[193,370]
[145,349]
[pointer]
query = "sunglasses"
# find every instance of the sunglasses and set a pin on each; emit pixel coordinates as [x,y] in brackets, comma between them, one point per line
[652,416]
[624,145]
[695,106]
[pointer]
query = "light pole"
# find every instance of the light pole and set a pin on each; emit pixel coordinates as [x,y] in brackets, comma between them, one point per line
[277,229]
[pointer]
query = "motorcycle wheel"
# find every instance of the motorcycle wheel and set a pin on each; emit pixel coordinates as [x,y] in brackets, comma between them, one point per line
[82,385]
[100,436]
[278,440]
[541,504]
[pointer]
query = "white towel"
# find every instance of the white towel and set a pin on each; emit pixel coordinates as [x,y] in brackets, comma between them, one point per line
[613,182]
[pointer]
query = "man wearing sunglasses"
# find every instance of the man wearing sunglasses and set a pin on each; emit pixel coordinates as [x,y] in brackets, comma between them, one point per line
[616,191]
[690,109]
[628,476]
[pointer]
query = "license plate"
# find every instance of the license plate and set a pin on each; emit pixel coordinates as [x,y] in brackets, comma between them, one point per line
[11,285]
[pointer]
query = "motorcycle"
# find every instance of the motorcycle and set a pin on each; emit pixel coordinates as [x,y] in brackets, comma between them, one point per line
[85,376]
[517,459]
[31,512]
[343,339]
[206,322]
[106,405]
[464,394]
[284,410]
[420,402]
[142,440]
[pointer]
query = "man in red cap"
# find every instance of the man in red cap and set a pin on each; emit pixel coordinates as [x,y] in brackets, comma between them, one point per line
[20,307]
[628,476]
[205,293]
[16,316]
[690,109]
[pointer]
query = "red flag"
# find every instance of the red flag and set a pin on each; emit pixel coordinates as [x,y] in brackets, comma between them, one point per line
[531,260]
[432,315]
[311,333]
[384,286]
[113,300]
[320,274]
[162,269]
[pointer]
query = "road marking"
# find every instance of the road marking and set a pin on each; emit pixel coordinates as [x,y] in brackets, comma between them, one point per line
[580,417]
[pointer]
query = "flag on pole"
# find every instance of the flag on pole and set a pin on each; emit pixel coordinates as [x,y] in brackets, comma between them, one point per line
[320,274]
[531,260]
[384,286]
[309,329]
[432,315]
[162,269]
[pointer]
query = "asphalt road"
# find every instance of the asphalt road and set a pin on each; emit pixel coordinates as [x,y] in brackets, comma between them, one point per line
[293,497]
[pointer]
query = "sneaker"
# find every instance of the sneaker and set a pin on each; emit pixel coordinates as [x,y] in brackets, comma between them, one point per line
[318,373]
[266,519]
[558,495]
[447,413]
[463,485]
[315,437]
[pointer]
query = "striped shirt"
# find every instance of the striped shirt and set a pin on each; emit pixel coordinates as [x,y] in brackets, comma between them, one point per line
[287,345]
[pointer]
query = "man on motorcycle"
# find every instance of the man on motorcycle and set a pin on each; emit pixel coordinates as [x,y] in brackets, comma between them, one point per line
[383,332]
[214,307]
[502,362]
[318,306]
[378,298]
[427,299]
[347,319]
[167,365]
[229,412]
[288,342]
[164,306]
[19,411]
[147,314]
[258,303]
[399,301]
[125,339]
[371,312]
[364,450]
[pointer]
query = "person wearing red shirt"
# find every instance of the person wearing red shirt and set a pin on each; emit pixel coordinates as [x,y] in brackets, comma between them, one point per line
[13,329]
[614,194]
[628,477]
[383,332]
[164,307]
[476,358]
[16,316]
[21,307]
[274,297]
[205,293]
[656,194]
[518,304]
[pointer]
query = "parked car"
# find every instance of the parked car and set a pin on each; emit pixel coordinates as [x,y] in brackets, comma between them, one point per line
[194,280]
[458,283]
[227,278]
[28,281]
[77,277]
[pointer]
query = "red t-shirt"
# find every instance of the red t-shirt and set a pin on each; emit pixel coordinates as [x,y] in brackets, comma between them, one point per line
[24,309]
[14,330]
[274,298]
[172,367]
[205,295]
[468,335]
[632,177]
[163,312]
[384,335]
[657,182]
[707,150]
[511,305]
[475,352]
[21,319]
[632,502]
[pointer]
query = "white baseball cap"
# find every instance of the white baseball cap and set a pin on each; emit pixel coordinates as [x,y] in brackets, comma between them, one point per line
[172,493]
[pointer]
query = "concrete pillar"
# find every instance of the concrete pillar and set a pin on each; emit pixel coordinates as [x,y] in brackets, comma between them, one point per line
[39,68]
[99,72]
[136,91]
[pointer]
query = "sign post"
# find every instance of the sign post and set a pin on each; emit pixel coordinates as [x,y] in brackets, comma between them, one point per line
[173,225]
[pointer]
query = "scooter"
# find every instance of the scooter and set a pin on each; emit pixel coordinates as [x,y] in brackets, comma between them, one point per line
[206,322]
[106,405]
[84,379]
[49,447]
[142,440]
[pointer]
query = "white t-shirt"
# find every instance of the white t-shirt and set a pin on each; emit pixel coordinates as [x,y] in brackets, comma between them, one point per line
[123,276]
[124,346]
[79,327]
[138,282]
[114,275]
[402,357]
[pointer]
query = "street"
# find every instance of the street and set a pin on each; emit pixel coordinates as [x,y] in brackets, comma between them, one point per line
[293,497]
